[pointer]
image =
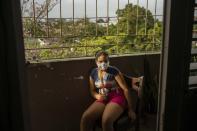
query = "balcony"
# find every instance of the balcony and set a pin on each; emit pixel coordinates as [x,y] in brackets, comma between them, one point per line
[58,91]
[61,38]
[58,84]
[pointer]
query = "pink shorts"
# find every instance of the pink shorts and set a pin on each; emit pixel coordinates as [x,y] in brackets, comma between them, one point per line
[116,96]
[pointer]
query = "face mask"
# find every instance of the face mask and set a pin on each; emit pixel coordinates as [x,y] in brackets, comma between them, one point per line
[103,65]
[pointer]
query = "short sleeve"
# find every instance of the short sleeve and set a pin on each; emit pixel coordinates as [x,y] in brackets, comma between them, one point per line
[114,71]
[93,73]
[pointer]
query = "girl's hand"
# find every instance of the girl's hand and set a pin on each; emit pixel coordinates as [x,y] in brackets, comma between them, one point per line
[101,97]
[131,114]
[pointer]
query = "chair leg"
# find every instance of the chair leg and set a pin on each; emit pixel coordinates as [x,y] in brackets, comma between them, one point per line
[137,124]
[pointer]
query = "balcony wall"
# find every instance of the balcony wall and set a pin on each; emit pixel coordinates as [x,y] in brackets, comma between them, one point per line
[59,93]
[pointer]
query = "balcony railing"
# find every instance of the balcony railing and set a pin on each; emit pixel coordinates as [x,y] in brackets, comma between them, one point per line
[56,29]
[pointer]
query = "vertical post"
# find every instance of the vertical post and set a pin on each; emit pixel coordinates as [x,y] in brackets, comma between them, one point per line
[107,17]
[118,18]
[73,17]
[85,18]
[128,18]
[73,22]
[118,28]
[174,108]
[154,33]
[146,18]
[61,18]
[96,18]
[47,4]
[14,102]
[137,15]
[34,19]
[85,31]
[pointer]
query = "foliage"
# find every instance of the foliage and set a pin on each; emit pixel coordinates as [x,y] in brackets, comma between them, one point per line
[83,37]
[128,18]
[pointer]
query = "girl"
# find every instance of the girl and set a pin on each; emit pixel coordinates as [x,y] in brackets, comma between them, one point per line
[108,87]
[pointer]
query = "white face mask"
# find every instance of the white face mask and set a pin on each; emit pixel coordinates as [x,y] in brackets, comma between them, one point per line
[103,65]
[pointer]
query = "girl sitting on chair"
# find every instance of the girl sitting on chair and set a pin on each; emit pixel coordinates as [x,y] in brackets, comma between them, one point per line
[112,95]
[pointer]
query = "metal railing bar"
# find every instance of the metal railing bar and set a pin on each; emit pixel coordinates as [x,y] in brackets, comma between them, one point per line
[61,18]
[127,18]
[96,17]
[85,29]
[155,19]
[47,5]
[118,25]
[85,17]
[34,19]
[146,17]
[118,18]
[107,17]
[45,48]
[71,36]
[73,20]
[26,17]
[137,14]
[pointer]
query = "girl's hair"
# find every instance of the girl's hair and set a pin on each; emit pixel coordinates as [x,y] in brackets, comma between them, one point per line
[99,53]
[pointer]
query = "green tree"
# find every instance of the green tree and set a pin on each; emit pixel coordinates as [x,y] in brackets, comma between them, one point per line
[151,41]
[126,42]
[128,18]
[79,36]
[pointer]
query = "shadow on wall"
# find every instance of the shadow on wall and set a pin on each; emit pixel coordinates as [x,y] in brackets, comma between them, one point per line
[58,92]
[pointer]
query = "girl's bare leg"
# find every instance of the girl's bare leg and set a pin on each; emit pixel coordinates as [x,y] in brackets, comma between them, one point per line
[111,113]
[88,118]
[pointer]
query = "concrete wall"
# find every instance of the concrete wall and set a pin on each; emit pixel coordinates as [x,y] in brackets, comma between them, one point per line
[59,93]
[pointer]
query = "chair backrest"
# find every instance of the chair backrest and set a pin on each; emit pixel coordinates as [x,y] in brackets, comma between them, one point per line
[137,94]
[129,79]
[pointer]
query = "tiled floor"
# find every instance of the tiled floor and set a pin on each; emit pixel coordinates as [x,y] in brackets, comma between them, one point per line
[148,123]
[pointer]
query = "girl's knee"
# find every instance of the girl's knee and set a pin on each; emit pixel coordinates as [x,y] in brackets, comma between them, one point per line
[86,117]
[86,122]
[107,122]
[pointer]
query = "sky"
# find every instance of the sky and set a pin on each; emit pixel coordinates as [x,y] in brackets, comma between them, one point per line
[79,12]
